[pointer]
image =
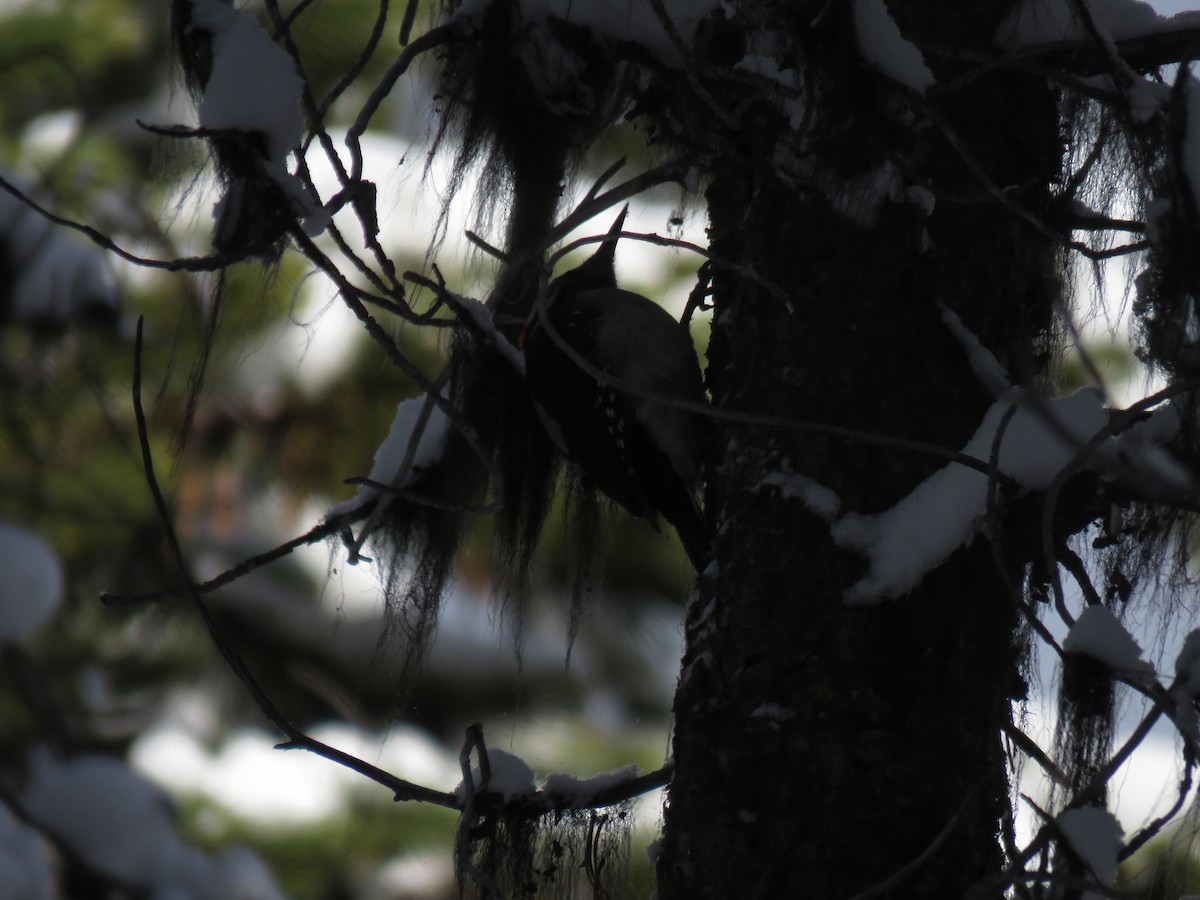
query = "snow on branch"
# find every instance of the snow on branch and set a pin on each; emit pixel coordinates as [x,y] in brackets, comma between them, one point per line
[1029,442]
[413,444]
[1186,689]
[1094,836]
[503,773]
[477,318]
[1098,634]
[991,374]
[886,50]
[249,91]
[120,826]
[579,792]
[1034,22]
[1097,36]
[254,86]
[1030,439]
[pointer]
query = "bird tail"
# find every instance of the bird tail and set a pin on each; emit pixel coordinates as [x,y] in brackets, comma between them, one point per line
[695,533]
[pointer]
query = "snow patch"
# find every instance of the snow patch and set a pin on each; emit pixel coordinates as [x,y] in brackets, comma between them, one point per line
[1097,633]
[25,869]
[1139,454]
[254,85]
[32,586]
[943,513]
[482,317]
[1095,837]
[403,433]
[116,822]
[1146,99]
[580,791]
[1052,21]
[1186,689]
[255,88]
[511,776]
[390,455]
[860,199]
[886,50]
[1187,664]
[773,712]
[922,198]
[982,361]
[816,497]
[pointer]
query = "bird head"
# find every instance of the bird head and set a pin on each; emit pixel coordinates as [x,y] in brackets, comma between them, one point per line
[597,272]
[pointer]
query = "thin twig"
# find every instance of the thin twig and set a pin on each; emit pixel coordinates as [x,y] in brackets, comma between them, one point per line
[314,535]
[489,249]
[667,173]
[351,187]
[1007,196]
[298,10]
[1149,831]
[350,296]
[906,872]
[603,179]
[428,41]
[462,840]
[1075,565]
[1029,747]
[295,738]
[406,24]
[97,237]
[988,886]
[1118,422]
[360,64]
[730,120]
[648,237]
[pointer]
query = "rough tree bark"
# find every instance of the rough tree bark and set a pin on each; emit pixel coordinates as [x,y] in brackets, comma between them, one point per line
[821,747]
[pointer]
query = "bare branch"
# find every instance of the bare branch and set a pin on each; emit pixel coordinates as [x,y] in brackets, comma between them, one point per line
[195,264]
[487,248]
[403,790]
[462,841]
[1116,424]
[895,880]
[1145,53]
[1029,747]
[406,24]
[670,172]
[1151,830]
[314,535]
[364,57]
[428,41]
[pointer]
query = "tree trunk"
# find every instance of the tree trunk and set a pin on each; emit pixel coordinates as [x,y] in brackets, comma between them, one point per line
[822,747]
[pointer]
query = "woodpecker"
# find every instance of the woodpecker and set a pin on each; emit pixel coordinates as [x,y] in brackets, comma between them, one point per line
[643,454]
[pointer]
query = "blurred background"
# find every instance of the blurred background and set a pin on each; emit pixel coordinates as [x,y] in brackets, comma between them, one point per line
[296,399]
